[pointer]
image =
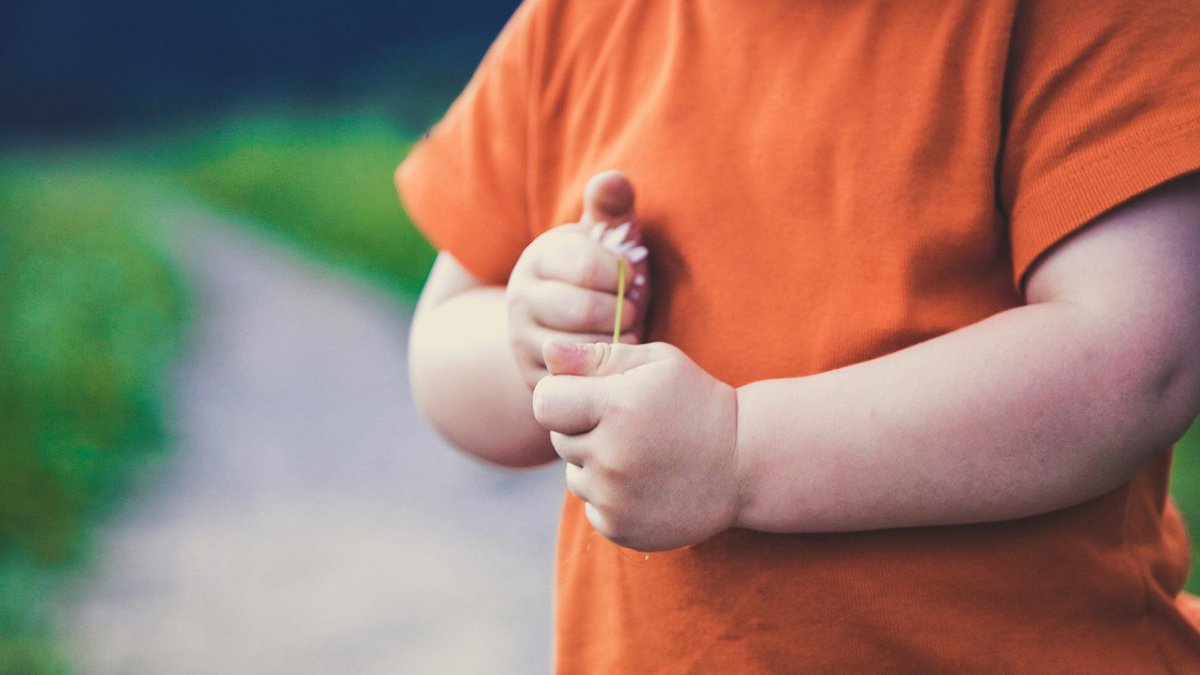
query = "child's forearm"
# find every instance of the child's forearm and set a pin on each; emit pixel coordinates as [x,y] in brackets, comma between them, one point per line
[1034,409]
[466,382]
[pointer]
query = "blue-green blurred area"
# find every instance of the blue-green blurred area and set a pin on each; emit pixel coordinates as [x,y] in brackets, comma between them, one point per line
[291,117]
[84,65]
[91,313]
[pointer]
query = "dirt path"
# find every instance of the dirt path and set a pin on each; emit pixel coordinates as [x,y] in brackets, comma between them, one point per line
[309,521]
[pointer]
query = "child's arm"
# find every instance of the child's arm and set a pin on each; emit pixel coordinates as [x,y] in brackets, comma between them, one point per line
[463,374]
[475,349]
[1037,408]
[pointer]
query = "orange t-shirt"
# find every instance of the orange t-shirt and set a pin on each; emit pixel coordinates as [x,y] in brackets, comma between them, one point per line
[822,182]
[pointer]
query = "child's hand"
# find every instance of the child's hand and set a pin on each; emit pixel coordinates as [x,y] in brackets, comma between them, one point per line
[650,441]
[564,285]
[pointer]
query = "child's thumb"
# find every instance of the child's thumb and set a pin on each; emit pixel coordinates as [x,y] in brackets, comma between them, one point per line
[607,198]
[596,358]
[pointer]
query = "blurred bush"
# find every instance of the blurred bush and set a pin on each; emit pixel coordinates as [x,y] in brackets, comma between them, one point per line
[90,313]
[1185,488]
[323,183]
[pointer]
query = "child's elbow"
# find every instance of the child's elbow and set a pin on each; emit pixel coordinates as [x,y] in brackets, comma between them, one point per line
[1171,390]
[1153,379]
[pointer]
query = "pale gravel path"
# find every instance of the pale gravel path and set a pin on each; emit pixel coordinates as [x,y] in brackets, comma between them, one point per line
[308,520]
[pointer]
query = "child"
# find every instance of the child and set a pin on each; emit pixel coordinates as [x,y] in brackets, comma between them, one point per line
[923,291]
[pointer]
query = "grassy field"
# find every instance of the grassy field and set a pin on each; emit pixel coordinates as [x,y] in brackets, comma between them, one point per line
[91,312]
[324,184]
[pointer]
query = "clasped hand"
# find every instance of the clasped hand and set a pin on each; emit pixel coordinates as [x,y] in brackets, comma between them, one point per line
[648,436]
[564,285]
[650,441]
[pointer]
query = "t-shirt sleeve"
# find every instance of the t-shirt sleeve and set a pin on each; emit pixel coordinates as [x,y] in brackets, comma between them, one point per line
[464,184]
[1102,103]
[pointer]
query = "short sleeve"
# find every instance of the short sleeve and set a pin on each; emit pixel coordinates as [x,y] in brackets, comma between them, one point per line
[464,184]
[1102,102]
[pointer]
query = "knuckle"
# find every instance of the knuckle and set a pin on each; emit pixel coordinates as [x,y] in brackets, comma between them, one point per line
[591,312]
[532,260]
[521,345]
[566,316]
[588,271]
[528,262]
[620,467]
[517,299]
[574,314]
[618,407]
[664,351]
[548,239]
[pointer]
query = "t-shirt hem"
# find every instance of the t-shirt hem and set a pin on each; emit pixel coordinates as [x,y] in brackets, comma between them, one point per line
[1078,195]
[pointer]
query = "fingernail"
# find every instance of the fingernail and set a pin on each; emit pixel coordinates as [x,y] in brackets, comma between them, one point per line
[637,254]
[596,231]
[639,280]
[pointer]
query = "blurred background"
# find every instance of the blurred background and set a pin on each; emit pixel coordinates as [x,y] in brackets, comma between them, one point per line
[208,458]
[209,461]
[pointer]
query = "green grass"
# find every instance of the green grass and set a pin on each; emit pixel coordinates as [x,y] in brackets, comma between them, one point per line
[90,314]
[1185,488]
[324,184]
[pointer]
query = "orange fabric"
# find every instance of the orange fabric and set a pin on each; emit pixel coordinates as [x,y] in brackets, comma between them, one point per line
[822,182]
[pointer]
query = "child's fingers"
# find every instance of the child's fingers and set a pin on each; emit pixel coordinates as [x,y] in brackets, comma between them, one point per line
[579,260]
[602,359]
[582,485]
[569,405]
[573,309]
[527,350]
[563,357]
[576,480]
[573,450]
